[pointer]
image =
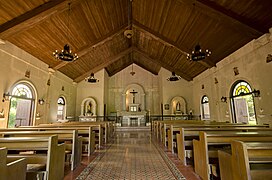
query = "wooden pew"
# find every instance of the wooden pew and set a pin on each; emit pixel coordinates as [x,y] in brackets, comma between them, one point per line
[99,128]
[203,152]
[185,136]
[246,161]
[87,134]
[53,159]
[73,142]
[174,129]
[13,170]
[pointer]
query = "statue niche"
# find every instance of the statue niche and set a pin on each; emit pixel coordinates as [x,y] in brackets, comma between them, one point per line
[88,110]
[178,106]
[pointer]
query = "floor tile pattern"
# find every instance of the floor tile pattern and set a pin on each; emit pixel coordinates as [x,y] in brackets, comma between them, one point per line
[132,155]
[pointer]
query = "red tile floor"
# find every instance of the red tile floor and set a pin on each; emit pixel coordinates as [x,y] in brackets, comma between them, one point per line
[131,155]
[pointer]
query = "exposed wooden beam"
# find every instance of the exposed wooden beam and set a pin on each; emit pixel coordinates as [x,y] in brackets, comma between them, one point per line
[162,64]
[31,18]
[107,62]
[94,44]
[225,16]
[184,50]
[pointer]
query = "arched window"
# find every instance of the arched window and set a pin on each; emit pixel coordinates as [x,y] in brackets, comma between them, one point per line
[205,107]
[242,103]
[22,105]
[61,109]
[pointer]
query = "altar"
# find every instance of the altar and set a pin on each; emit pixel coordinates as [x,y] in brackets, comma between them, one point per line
[129,118]
[133,111]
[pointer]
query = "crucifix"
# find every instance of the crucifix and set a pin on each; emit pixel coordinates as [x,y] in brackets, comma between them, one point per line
[133,94]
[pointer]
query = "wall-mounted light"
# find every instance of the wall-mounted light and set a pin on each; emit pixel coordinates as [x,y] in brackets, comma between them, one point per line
[224,99]
[256,93]
[41,101]
[6,97]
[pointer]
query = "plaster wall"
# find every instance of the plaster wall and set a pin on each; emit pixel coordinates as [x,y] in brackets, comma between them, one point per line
[250,61]
[14,63]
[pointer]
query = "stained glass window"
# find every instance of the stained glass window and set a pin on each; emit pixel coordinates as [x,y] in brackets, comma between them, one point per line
[241,88]
[22,90]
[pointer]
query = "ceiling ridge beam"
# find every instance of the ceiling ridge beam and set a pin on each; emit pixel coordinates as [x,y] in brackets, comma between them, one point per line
[31,18]
[225,16]
[107,62]
[168,42]
[162,64]
[96,43]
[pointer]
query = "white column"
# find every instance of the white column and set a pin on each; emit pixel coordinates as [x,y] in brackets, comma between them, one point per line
[143,102]
[124,102]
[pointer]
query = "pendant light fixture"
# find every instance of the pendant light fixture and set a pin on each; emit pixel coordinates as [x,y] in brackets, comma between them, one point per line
[129,32]
[91,79]
[66,54]
[198,54]
[173,77]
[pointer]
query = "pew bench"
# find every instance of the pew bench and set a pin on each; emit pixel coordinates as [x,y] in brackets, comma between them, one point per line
[246,161]
[205,149]
[91,135]
[12,170]
[184,138]
[71,139]
[175,129]
[46,154]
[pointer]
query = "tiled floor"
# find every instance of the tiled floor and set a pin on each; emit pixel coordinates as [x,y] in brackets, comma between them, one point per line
[132,155]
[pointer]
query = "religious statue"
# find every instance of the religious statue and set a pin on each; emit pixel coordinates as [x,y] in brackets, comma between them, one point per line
[133,96]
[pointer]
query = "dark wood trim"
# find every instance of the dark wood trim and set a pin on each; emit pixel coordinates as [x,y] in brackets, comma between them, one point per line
[31,18]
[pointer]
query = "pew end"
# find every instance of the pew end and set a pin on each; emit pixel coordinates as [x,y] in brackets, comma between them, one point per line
[12,169]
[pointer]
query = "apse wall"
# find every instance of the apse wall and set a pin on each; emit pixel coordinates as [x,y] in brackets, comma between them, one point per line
[14,63]
[251,62]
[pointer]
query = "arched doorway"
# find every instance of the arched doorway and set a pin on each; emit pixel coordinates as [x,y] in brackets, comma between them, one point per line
[22,105]
[242,103]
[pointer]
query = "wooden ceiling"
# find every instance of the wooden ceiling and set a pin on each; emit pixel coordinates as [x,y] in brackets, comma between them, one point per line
[164,31]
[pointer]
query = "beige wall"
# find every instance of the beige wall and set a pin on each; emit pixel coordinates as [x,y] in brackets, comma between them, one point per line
[14,62]
[252,66]
[121,80]
[93,90]
[171,89]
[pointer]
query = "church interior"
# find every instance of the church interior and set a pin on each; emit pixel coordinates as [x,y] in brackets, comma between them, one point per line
[121,80]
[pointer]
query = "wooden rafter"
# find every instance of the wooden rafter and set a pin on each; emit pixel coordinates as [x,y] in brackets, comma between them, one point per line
[94,44]
[184,50]
[225,17]
[31,18]
[107,62]
[162,64]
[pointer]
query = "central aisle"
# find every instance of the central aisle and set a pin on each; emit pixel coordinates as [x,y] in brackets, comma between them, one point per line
[132,155]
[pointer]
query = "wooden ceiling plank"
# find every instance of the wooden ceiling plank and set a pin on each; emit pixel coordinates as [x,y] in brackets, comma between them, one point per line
[107,62]
[224,16]
[168,42]
[31,18]
[96,43]
[234,16]
[164,65]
